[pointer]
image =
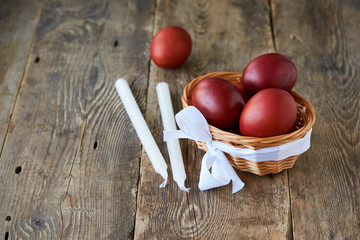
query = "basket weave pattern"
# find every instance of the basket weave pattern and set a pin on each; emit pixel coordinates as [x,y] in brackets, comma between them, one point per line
[305,121]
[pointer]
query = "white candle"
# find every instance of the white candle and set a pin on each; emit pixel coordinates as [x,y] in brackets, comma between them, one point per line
[167,115]
[142,129]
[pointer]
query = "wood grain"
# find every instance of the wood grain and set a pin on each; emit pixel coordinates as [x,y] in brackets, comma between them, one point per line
[18,21]
[321,38]
[72,167]
[226,36]
[78,153]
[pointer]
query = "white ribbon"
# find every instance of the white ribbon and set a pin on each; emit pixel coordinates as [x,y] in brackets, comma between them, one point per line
[194,126]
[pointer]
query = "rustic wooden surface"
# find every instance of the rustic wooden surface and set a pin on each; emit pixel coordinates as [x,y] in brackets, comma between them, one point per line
[72,167]
[320,37]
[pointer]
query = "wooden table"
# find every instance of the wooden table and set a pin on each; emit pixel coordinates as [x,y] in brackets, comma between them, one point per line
[72,167]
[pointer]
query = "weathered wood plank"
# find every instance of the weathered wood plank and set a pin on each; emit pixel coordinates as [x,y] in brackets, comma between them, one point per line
[322,39]
[69,131]
[226,36]
[113,168]
[18,21]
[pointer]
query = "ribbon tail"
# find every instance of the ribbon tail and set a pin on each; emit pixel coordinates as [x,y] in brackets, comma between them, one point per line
[207,179]
[237,184]
[221,172]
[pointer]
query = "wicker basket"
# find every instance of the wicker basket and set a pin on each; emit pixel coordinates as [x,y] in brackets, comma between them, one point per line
[305,121]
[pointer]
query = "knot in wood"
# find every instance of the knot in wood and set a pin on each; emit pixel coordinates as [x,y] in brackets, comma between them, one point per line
[37,222]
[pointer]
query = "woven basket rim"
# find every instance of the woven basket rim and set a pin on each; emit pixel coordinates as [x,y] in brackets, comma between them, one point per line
[306,116]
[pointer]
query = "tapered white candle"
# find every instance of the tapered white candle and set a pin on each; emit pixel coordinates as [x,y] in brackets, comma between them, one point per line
[167,115]
[142,129]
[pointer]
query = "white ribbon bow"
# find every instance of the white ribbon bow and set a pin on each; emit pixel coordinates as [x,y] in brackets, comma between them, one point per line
[193,125]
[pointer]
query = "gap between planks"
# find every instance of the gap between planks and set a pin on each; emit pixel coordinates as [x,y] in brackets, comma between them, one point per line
[273,35]
[30,49]
[272,23]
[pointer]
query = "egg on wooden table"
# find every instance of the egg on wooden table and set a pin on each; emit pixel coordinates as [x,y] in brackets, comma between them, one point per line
[170,47]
